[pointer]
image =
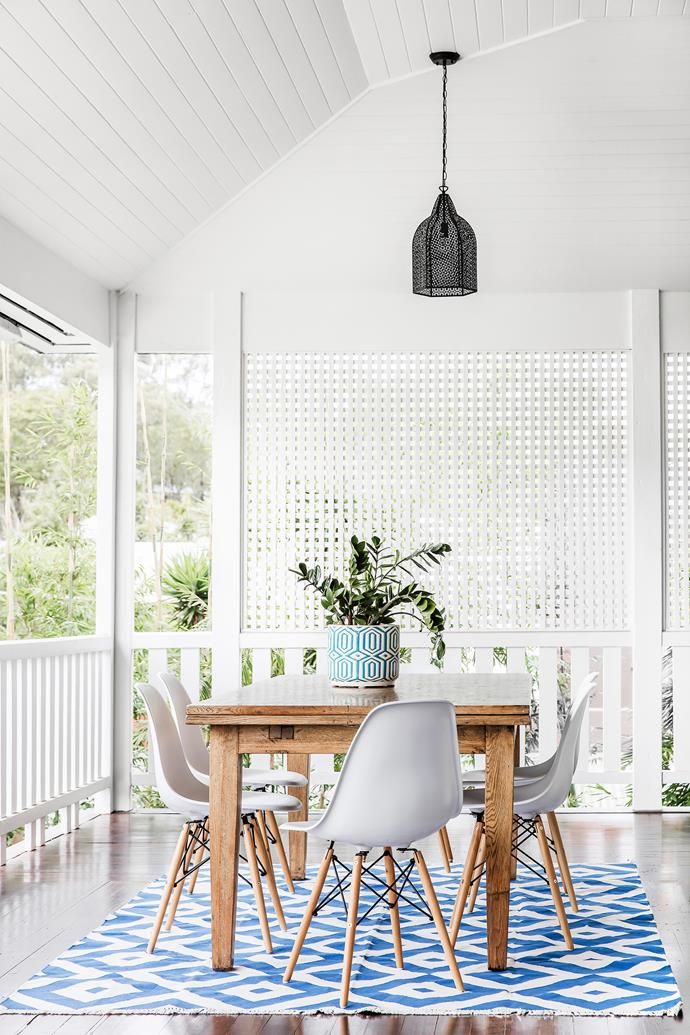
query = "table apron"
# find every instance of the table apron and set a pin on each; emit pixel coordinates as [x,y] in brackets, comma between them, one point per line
[322,740]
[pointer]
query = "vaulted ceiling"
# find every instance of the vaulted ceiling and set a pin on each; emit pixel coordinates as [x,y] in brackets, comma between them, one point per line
[124,124]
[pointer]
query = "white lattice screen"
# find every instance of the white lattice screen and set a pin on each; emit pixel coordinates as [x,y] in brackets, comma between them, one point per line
[518,460]
[677,376]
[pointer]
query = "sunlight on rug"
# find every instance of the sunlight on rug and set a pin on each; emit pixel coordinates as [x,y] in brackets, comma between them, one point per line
[618,966]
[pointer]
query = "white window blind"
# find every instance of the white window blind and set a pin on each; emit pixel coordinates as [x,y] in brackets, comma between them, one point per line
[518,460]
[677,377]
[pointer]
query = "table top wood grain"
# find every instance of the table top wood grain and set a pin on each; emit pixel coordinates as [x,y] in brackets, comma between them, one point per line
[477,698]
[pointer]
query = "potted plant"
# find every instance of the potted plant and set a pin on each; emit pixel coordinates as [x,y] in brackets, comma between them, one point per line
[361,612]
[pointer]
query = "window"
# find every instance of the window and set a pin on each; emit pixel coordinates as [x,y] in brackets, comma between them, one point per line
[48,566]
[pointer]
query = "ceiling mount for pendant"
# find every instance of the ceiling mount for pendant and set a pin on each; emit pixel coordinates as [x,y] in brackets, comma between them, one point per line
[444,57]
[444,246]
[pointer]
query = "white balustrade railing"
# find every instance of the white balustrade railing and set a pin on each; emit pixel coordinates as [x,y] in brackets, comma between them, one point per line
[55,733]
[556,662]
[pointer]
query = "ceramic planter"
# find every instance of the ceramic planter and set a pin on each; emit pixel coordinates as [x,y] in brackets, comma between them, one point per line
[363,656]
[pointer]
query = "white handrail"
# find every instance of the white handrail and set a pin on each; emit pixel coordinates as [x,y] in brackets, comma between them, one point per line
[15,650]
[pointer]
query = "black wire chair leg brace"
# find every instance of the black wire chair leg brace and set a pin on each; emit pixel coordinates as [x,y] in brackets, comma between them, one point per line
[397,886]
[523,830]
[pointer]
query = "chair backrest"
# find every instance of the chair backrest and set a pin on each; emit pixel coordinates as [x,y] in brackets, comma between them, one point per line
[177,785]
[401,778]
[550,791]
[193,745]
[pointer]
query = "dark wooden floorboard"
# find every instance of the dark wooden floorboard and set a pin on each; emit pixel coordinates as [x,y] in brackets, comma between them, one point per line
[52,897]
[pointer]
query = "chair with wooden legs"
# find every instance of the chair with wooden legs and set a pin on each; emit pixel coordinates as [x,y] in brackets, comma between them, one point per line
[408,751]
[183,793]
[533,799]
[254,778]
[476,778]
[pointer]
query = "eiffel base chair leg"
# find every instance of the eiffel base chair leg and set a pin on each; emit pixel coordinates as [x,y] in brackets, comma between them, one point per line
[443,850]
[466,882]
[272,824]
[175,867]
[264,852]
[193,829]
[449,847]
[553,882]
[197,859]
[249,835]
[389,866]
[479,866]
[435,909]
[562,858]
[351,928]
[309,912]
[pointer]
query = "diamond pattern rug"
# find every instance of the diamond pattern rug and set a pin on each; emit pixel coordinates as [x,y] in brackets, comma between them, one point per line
[618,966]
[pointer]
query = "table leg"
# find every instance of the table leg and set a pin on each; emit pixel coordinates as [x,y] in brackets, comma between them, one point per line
[516,762]
[298,841]
[225,799]
[498,819]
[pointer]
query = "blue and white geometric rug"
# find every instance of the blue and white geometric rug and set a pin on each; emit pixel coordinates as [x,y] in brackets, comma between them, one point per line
[618,966]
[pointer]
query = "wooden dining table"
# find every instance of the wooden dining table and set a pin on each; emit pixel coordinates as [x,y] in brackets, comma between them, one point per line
[304,715]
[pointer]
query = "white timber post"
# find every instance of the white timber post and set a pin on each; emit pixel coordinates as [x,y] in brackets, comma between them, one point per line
[647,548]
[226,569]
[105,535]
[125,480]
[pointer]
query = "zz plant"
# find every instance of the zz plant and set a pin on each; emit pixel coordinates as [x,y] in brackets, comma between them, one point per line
[380,588]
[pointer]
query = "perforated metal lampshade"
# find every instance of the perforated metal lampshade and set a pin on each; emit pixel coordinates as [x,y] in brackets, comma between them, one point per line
[444,253]
[444,246]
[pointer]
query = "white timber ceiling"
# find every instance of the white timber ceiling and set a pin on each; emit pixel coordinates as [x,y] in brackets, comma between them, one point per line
[125,124]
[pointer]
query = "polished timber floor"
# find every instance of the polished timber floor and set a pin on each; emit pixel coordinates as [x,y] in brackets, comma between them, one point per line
[50,898]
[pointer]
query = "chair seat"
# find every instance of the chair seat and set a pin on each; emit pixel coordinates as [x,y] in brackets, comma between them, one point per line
[477,778]
[302,825]
[265,801]
[252,777]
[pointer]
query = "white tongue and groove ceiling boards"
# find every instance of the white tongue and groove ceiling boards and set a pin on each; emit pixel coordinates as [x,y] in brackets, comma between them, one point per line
[125,124]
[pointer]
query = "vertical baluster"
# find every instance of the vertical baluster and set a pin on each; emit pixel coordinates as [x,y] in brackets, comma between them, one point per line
[54,727]
[157,663]
[68,700]
[92,695]
[42,788]
[453,660]
[580,665]
[24,733]
[13,762]
[190,672]
[548,701]
[484,660]
[419,661]
[516,660]
[611,680]
[32,733]
[294,661]
[261,663]
[321,661]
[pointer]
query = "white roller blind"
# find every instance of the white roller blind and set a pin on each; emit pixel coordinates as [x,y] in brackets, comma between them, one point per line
[677,378]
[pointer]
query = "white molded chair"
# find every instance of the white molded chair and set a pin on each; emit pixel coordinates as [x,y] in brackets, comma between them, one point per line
[408,751]
[196,753]
[533,799]
[183,792]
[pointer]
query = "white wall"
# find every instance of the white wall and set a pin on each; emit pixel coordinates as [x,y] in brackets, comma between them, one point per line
[45,280]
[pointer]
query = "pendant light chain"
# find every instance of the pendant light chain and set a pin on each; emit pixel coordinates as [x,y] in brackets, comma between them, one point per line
[445,128]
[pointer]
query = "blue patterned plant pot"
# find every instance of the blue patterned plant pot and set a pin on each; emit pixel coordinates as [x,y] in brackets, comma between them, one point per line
[363,655]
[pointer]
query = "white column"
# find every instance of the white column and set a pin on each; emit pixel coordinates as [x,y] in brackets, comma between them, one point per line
[105,526]
[226,569]
[124,550]
[647,548]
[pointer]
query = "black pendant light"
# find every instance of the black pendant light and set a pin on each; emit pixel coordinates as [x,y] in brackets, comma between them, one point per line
[444,248]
